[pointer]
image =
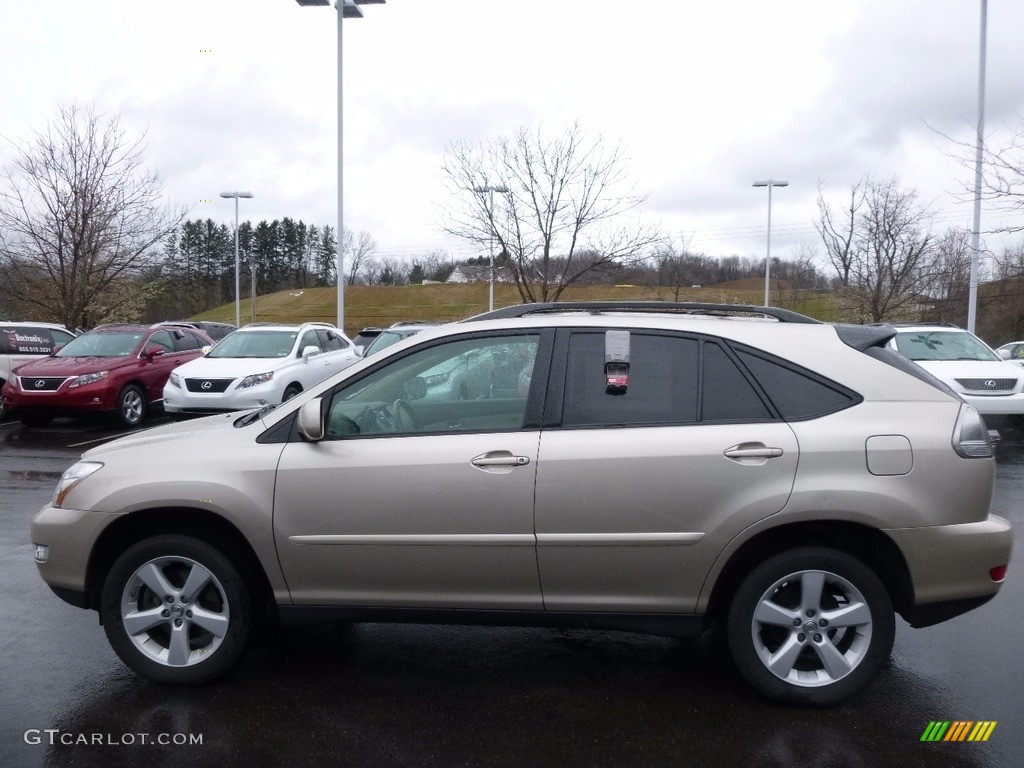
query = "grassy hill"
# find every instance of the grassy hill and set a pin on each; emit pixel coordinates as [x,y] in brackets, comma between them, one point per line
[444,302]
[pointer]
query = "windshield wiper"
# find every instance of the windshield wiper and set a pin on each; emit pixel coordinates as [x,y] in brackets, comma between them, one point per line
[249,418]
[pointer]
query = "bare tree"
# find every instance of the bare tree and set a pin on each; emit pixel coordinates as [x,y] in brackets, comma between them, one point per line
[1010,263]
[882,252]
[837,230]
[562,216]
[358,250]
[78,216]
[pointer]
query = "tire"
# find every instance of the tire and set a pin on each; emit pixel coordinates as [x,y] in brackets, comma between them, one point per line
[131,406]
[161,636]
[810,626]
[291,391]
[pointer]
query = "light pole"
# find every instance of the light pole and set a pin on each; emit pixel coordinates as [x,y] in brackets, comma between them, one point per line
[489,189]
[238,306]
[768,253]
[346,9]
[972,295]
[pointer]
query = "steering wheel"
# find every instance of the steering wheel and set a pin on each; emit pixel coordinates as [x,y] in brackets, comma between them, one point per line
[404,418]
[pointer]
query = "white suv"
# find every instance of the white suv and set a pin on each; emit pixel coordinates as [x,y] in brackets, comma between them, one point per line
[969,367]
[258,365]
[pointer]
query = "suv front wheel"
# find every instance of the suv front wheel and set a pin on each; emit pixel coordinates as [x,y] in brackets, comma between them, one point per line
[131,406]
[810,626]
[176,610]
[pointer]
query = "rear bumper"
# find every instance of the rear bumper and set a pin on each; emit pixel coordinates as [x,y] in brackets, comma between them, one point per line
[951,565]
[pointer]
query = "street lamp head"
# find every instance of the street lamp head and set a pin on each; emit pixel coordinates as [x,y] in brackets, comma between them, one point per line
[236,194]
[771,183]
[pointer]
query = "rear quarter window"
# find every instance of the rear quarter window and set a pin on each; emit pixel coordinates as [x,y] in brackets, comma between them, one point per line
[795,392]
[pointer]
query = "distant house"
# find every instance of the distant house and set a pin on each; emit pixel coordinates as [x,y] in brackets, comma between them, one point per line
[467,273]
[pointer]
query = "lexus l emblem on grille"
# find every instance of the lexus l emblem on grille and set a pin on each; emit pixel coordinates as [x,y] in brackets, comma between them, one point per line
[208,384]
[40,383]
[990,384]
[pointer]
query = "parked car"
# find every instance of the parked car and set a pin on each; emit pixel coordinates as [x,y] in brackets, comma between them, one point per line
[969,367]
[119,369]
[213,329]
[364,337]
[1013,351]
[258,365]
[22,343]
[393,335]
[667,466]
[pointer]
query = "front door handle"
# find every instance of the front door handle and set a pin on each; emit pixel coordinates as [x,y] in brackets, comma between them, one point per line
[499,462]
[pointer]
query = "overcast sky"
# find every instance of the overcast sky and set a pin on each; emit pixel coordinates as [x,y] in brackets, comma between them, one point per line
[704,97]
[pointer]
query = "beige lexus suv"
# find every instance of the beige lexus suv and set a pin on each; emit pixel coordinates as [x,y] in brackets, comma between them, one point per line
[650,466]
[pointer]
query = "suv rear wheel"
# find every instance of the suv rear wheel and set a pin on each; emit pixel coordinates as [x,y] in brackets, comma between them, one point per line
[810,626]
[176,610]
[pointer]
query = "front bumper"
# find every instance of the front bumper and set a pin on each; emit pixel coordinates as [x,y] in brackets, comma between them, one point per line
[996,405]
[70,536]
[90,398]
[177,400]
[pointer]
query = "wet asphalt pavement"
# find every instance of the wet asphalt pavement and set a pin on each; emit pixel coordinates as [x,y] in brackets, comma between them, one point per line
[393,695]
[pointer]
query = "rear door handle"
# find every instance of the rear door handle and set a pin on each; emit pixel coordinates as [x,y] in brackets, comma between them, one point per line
[752,451]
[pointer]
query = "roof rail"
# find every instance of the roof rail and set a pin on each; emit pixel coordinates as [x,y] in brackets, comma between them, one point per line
[678,307]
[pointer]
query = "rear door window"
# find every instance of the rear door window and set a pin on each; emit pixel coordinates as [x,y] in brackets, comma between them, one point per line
[680,379]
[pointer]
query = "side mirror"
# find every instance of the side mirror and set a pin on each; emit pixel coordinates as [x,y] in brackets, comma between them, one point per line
[309,351]
[206,349]
[1004,354]
[311,420]
[154,351]
[359,350]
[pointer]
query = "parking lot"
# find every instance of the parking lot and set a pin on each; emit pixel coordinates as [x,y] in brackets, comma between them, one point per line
[383,695]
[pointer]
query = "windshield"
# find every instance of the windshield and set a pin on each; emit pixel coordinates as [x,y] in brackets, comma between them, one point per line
[943,345]
[269,343]
[105,344]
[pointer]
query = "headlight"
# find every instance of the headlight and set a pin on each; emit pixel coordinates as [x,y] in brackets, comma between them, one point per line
[175,380]
[255,380]
[72,477]
[88,378]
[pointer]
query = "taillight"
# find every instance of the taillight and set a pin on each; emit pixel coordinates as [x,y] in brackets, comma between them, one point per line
[970,435]
[998,573]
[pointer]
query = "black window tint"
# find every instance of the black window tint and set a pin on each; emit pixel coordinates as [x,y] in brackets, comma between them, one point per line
[727,395]
[184,341]
[797,394]
[662,382]
[330,341]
